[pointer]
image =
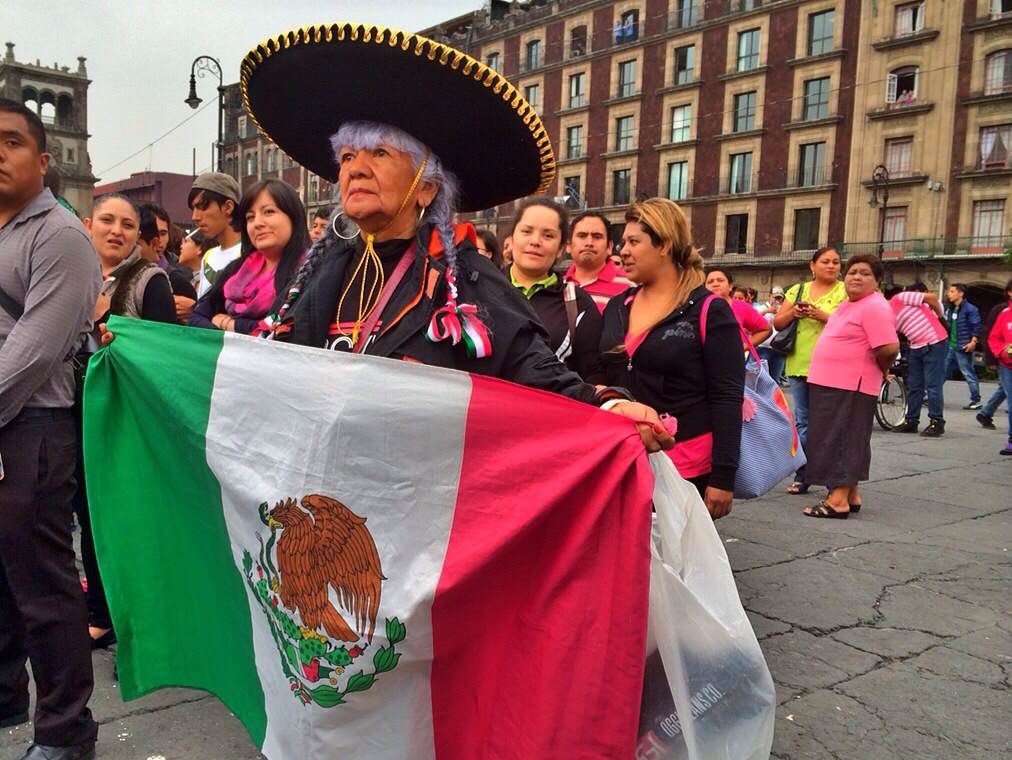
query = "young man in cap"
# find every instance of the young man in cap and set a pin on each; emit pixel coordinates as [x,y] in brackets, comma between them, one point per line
[49,280]
[213,201]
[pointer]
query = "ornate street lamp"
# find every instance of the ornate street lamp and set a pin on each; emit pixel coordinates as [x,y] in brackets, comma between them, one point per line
[880,186]
[201,65]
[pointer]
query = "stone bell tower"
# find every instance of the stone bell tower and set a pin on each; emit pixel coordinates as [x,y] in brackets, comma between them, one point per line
[60,97]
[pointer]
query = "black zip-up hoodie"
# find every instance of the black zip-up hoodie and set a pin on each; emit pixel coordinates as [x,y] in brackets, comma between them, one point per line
[674,372]
[580,353]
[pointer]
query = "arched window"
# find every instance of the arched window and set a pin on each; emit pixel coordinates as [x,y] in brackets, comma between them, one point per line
[901,86]
[65,111]
[577,41]
[230,165]
[47,107]
[532,55]
[251,164]
[270,160]
[30,97]
[998,73]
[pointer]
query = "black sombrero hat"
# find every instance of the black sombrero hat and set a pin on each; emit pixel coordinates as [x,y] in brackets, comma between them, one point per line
[469,115]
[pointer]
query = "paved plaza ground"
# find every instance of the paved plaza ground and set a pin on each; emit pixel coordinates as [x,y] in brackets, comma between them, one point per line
[888,634]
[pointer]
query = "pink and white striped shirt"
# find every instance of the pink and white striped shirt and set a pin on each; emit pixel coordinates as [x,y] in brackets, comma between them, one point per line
[916,320]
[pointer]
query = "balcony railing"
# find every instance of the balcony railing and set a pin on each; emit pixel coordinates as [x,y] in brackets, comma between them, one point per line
[683,18]
[914,249]
[576,101]
[576,50]
[934,247]
[806,176]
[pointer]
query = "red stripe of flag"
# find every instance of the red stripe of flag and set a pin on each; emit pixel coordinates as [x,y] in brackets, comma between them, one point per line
[539,617]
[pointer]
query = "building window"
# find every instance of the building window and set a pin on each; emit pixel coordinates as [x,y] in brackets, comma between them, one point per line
[251,164]
[620,186]
[811,158]
[994,146]
[624,133]
[571,189]
[816,103]
[494,62]
[736,233]
[681,123]
[241,123]
[532,94]
[270,160]
[678,180]
[998,73]
[230,166]
[748,50]
[685,64]
[901,86]
[744,112]
[532,59]
[909,18]
[895,224]
[574,141]
[899,156]
[626,78]
[627,28]
[577,41]
[577,97]
[806,229]
[1001,8]
[684,14]
[740,179]
[70,157]
[820,32]
[988,222]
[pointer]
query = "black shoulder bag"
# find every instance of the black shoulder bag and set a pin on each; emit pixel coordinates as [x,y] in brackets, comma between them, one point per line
[783,341]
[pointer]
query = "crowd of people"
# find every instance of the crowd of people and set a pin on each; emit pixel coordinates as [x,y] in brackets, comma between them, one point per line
[640,328]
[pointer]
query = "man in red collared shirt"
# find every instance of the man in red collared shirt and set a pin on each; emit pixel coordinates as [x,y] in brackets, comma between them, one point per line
[591,269]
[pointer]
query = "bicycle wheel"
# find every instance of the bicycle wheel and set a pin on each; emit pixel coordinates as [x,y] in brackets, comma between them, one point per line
[891,409]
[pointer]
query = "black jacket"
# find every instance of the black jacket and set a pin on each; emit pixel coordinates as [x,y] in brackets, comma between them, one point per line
[519,351]
[672,371]
[582,353]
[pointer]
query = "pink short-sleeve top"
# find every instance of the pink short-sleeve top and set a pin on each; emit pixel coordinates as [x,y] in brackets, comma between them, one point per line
[844,354]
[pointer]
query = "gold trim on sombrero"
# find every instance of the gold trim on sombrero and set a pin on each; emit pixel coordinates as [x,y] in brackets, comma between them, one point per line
[436,51]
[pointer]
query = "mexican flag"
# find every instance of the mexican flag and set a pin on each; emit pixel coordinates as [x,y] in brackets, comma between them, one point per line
[366,558]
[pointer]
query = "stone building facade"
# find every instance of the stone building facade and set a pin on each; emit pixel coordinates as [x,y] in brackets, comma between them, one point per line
[60,96]
[765,119]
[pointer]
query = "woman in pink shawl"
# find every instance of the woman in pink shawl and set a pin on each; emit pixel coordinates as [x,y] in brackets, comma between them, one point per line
[274,240]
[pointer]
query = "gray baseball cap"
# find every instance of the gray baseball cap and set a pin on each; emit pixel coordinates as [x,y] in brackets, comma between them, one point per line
[216,182]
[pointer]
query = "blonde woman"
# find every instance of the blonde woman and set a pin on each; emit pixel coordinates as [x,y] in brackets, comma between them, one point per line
[652,344]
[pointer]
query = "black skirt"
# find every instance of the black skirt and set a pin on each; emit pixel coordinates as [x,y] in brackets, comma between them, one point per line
[839,435]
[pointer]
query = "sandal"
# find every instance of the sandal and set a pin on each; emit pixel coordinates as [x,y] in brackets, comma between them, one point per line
[855,508]
[797,488]
[104,641]
[823,509]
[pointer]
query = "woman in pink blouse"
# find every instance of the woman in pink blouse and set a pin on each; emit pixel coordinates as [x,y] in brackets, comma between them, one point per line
[856,348]
[755,327]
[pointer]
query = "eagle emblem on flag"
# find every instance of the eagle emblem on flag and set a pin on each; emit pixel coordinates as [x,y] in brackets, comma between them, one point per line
[319,556]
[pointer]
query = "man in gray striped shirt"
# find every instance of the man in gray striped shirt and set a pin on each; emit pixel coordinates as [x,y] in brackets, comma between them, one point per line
[49,280]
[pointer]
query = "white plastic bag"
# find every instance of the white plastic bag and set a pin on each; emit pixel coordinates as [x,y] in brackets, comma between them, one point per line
[714,698]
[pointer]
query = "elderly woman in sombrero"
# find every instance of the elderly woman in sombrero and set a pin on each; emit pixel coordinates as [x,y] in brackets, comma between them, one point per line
[416,132]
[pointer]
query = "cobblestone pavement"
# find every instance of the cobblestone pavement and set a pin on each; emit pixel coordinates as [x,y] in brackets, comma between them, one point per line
[888,634]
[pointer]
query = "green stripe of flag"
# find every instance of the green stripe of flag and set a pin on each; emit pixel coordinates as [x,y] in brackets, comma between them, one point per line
[160,534]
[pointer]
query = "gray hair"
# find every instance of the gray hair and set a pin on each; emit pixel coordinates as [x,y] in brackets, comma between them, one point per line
[365,135]
[369,134]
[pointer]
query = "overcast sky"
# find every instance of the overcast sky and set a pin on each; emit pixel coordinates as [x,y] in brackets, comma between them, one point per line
[139,54]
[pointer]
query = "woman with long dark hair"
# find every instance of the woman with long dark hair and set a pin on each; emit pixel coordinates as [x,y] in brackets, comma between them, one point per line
[274,240]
